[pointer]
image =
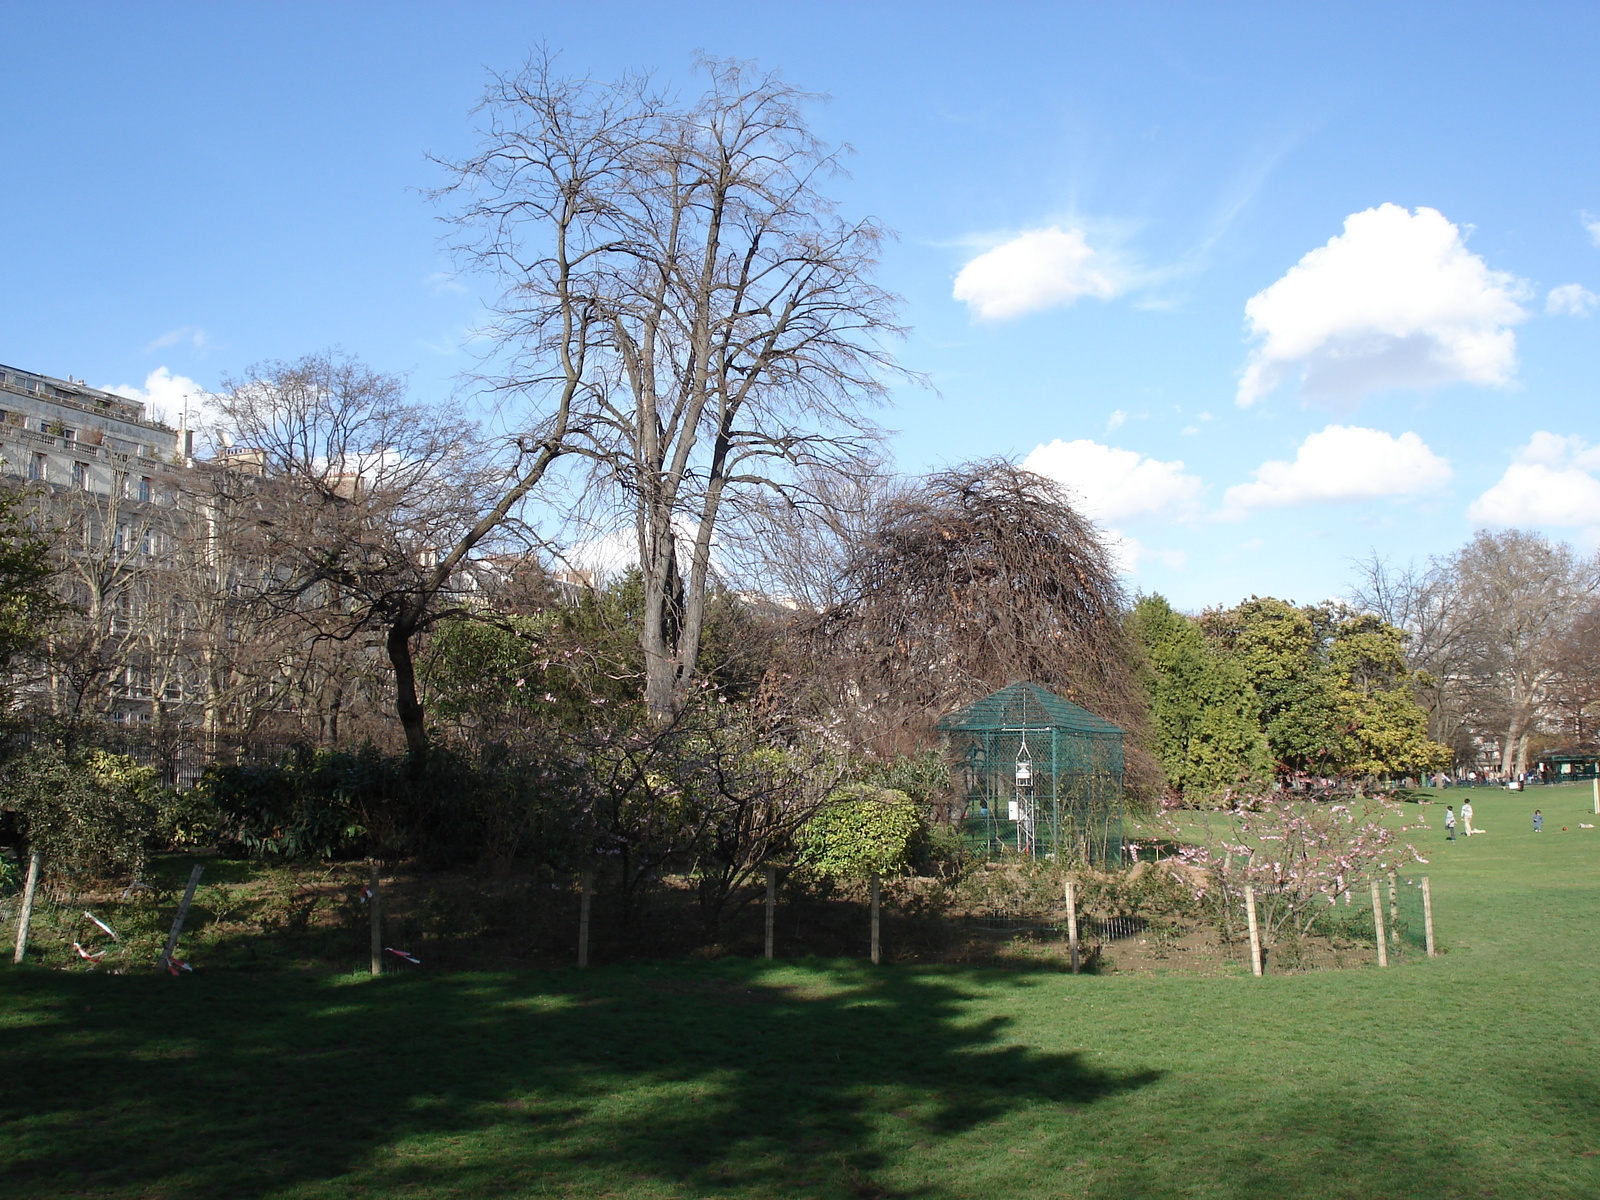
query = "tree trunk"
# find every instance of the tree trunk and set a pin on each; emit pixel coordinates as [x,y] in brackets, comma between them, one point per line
[406,705]
[662,625]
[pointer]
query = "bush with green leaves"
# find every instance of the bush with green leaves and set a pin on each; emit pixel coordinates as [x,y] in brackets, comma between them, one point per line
[861,830]
[89,813]
[450,807]
[287,809]
[922,776]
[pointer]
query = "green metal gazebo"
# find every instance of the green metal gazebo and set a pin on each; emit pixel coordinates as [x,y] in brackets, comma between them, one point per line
[1042,776]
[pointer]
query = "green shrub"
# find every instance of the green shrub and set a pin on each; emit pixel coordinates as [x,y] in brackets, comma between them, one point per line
[922,776]
[289,809]
[859,830]
[88,812]
[449,808]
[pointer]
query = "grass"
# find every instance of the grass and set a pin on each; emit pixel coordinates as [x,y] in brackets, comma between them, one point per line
[1475,1074]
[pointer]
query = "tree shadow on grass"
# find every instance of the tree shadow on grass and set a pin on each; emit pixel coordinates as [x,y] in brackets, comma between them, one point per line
[661,1080]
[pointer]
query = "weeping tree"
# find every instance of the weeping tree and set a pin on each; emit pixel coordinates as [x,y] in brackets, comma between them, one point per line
[968,580]
[675,268]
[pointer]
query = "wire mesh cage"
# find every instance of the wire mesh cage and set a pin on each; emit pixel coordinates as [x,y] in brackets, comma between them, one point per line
[1041,776]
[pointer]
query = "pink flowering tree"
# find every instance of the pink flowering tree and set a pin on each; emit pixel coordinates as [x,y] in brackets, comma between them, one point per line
[1301,857]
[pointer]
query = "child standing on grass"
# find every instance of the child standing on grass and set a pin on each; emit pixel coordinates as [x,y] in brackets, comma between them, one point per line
[1538,821]
[1450,822]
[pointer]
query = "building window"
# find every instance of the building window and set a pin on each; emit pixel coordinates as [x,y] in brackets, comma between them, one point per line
[144,490]
[38,467]
[80,476]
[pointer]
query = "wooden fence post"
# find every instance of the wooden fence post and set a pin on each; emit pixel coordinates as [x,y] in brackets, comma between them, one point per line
[1427,915]
[1377,926]
[876,905]
[29,891]
[1072,922]
[772,907]
[1595,789]
[375,900]
[585,898]
[1255,930]
[177,921]
[1394,913]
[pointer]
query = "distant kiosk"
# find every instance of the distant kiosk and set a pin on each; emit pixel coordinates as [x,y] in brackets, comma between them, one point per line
[1569,765]
[1042,777]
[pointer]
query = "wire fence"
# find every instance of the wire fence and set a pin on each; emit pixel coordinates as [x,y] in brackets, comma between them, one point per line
[250,918]
[1214,938]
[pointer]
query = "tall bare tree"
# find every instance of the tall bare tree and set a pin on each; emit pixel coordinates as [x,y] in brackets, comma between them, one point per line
[679,262]
[1523,593]
[1490,624]
[1575,685]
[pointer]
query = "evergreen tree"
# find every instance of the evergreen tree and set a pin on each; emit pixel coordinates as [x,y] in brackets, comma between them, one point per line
[1203,713]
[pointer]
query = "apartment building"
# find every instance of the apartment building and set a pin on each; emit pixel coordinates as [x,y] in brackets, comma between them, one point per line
[62,433]
[98,453]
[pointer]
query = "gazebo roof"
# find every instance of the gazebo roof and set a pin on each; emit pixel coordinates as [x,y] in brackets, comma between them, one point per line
[1025,706]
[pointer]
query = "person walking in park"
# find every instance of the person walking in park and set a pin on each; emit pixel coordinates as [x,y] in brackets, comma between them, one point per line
[1538,821]
[1450,822]
[1466,816]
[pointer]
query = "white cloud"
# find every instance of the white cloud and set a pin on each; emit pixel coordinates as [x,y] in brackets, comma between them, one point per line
[1570,299]
[1592,224]
[1128,554]
[445,282]
[1037,269]
[1110,484]
[192,334]
[1342,463]
[1551,482]
[1395,301]
[163,393]
[1116,421]
[605,555]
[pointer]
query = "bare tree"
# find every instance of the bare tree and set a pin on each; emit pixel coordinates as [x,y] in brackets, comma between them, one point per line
[107,552]
[1428,605]
[793,546]
[366,506]
[679,262]
[1491,625]
[1523,592]
[1575,683]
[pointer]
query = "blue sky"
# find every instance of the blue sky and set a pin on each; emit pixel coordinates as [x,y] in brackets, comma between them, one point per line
[1272,286]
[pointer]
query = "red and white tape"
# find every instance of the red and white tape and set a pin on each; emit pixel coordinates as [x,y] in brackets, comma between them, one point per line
[110,931]
[411,958]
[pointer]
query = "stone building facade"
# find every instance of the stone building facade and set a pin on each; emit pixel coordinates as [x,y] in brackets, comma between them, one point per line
[67,435]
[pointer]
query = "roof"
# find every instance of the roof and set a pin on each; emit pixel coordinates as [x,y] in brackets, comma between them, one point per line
[1025,706]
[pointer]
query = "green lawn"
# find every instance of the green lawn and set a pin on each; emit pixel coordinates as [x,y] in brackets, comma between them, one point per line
[1476,1074]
